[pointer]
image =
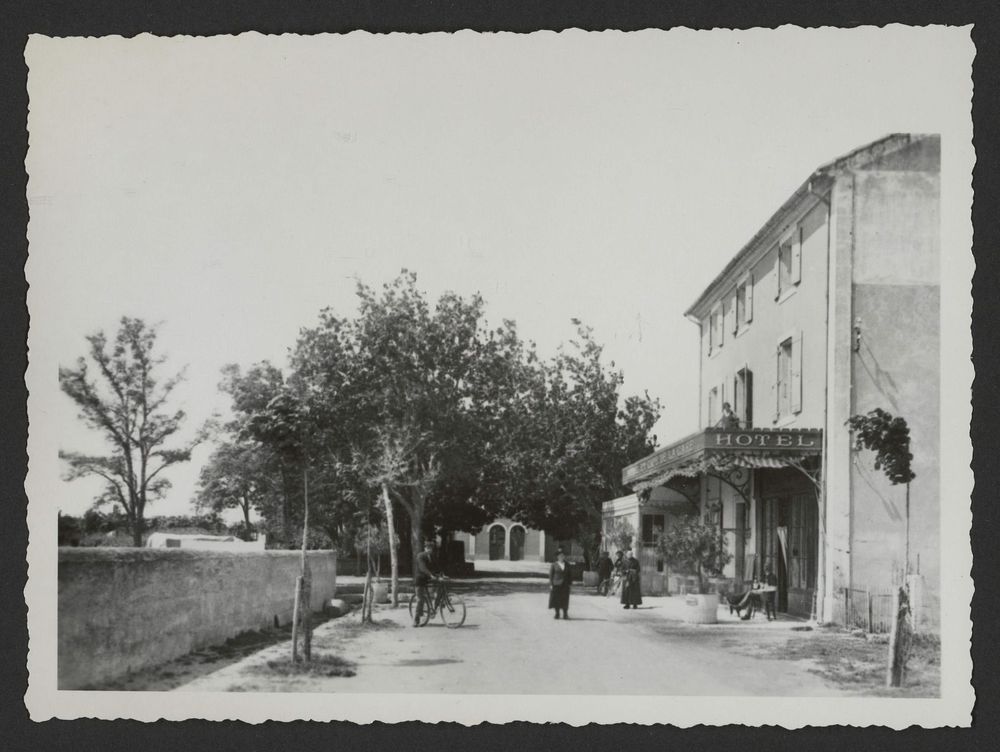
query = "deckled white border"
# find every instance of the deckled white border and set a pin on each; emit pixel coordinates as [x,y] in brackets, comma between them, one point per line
[953,708]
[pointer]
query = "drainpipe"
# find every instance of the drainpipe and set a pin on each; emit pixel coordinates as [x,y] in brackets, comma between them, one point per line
[821,512]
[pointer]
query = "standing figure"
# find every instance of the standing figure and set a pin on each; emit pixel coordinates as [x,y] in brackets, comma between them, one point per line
[421,579]
[618,572]
[559,579]
[603,572]
[631,586]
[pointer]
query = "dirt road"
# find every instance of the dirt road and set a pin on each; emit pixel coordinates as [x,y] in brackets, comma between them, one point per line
[511,644]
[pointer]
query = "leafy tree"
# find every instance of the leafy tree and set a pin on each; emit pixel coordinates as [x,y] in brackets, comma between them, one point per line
[402,374]
[127,404]
[236,476]
[570,439]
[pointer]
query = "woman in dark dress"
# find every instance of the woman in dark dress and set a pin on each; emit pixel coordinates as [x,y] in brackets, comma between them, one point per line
[631,589]
[559,579]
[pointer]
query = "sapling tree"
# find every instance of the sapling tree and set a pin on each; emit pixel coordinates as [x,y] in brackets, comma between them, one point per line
[889,437]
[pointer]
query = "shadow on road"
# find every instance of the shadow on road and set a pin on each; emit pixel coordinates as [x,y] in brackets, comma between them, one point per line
[580,618]
[426,661]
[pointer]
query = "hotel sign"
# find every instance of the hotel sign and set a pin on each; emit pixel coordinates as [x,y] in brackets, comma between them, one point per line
[718,441]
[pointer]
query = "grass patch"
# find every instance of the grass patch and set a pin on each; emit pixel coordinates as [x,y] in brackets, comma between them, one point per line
[320,665]
[852,662]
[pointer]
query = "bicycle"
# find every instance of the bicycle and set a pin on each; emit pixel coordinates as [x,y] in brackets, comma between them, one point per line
[451,608]
[614,586]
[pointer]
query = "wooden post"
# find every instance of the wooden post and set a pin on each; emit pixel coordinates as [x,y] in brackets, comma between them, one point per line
[871,624]
[306,613]
[295,619]
[897,641]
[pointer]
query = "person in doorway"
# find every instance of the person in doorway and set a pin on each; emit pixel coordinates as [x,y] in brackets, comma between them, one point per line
[422,579]
[604,568]
[559,580]
[631,585]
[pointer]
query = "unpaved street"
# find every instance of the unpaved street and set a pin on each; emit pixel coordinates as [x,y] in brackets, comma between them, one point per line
[511,644]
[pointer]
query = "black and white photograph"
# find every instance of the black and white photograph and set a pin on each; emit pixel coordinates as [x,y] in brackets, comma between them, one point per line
[586,377]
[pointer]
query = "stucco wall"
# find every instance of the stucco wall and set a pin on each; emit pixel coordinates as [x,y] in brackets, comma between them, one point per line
[798,313]
[897,368]
[122,609]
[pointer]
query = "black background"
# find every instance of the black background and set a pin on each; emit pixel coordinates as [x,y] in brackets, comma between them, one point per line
[204,18]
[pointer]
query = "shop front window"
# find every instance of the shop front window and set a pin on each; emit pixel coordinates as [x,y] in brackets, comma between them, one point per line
[652,526]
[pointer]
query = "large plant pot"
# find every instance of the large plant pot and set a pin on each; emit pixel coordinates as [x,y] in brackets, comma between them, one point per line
[590,579]
[380,592]
[701,609]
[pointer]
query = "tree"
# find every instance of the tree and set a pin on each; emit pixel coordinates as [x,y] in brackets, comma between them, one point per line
[235,477]
[403,372]
[127,405]
[570,439]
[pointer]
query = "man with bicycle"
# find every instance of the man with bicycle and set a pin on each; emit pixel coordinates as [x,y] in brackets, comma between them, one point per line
[421,579]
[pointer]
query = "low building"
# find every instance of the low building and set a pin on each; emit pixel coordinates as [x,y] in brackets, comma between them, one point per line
[504,539]
[204,542]
[644,518]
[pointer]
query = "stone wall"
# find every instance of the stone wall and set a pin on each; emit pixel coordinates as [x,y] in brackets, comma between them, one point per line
[122,609]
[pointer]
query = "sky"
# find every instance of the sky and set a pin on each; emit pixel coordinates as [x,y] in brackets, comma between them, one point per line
[232,187]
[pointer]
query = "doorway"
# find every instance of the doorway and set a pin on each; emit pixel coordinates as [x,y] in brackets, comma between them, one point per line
[788,548]
[516,543]
[498,541]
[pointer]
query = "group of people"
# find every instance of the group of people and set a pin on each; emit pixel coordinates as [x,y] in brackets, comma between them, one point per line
[624,568]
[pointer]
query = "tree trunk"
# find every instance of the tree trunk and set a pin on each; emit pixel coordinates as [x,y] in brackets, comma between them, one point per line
[416,533]
[137,530]
[306,573]
[393,545]
[246,519]
[367,596]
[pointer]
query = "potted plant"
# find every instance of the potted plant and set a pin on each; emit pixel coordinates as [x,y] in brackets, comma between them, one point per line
[372,543]
[696,547]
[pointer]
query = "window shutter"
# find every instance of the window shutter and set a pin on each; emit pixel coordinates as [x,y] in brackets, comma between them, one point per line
[736,313]
[743,392]
[777,272]
[775,392]
[796,274]
[722,323]
[795,398]
[748,303]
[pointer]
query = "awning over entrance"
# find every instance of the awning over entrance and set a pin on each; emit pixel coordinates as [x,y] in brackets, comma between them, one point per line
[721,450]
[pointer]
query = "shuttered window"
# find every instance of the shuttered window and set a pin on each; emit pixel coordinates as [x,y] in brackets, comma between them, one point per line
[788,380]
[789,262]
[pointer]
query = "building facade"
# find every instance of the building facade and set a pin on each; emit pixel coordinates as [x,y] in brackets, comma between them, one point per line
[829,311]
